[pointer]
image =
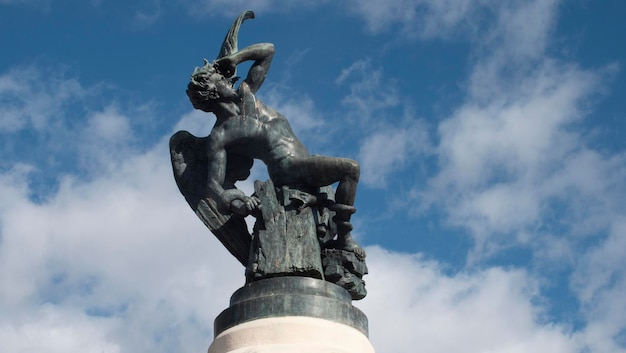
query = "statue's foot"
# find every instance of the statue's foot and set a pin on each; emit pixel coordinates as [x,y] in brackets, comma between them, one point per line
[348,243]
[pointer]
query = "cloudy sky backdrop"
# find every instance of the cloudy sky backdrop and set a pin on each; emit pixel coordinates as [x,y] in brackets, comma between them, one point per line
[490,134]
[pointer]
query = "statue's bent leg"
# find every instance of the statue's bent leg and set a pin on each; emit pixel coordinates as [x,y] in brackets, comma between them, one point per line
[321,171]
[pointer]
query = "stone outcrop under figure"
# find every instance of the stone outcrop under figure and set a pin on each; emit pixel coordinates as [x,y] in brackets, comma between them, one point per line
[293,235]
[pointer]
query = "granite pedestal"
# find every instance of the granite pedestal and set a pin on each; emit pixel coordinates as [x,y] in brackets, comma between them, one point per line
[291,314]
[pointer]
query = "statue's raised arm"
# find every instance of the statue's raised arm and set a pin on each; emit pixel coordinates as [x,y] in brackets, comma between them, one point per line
[261,53]
[229,56]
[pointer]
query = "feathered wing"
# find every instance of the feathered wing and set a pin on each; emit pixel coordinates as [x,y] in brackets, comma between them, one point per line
[189,161]
[229,46]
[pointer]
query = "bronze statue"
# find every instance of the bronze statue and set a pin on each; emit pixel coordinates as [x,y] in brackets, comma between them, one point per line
[247,129]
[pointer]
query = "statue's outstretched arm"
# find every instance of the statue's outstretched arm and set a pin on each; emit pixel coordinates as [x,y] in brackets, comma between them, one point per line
[216,165]
[232,200]
[261,53]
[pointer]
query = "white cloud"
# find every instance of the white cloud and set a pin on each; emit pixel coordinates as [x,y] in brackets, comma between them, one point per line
[370,92]
[197,122]
[387,150]
[121,264]
[149,14]
[106,139]
[113,262]
[513,156]
[29,101]
[414,306]
[122,256]
[146,19]
[523,28]
[358,67]
[371,96]
[108,125]
[600,283]
[59,331]
[392,136]
[79,133]
[299,109]
[519,26]
[516,169]
[512,144]
[423,18]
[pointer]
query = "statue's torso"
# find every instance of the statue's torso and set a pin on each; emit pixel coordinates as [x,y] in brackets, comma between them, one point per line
[260,132]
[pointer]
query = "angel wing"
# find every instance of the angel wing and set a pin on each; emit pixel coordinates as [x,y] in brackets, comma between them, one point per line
[229,45]
[189,162]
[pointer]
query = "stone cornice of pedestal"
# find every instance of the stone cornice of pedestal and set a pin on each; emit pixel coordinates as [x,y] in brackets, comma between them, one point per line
[291,297]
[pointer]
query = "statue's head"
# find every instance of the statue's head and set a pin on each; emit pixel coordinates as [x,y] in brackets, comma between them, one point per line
[209,86]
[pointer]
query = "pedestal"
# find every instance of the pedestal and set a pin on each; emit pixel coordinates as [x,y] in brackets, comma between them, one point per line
[291,314]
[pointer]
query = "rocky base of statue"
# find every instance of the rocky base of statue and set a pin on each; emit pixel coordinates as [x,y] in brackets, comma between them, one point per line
[291,314]
[294,236]
[346,270]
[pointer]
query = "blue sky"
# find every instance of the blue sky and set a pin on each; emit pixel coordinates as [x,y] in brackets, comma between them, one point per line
[490,136]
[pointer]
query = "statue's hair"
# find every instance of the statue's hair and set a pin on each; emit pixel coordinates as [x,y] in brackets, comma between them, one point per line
[202,90]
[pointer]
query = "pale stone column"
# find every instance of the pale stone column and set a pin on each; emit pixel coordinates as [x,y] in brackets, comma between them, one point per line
[292,334]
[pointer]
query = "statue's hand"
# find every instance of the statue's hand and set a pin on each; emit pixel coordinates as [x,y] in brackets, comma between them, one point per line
[253,204]
[226,66]
[249,205]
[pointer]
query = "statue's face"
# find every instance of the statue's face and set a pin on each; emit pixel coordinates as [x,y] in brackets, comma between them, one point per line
[224,90]
[200,98]
[208,87]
